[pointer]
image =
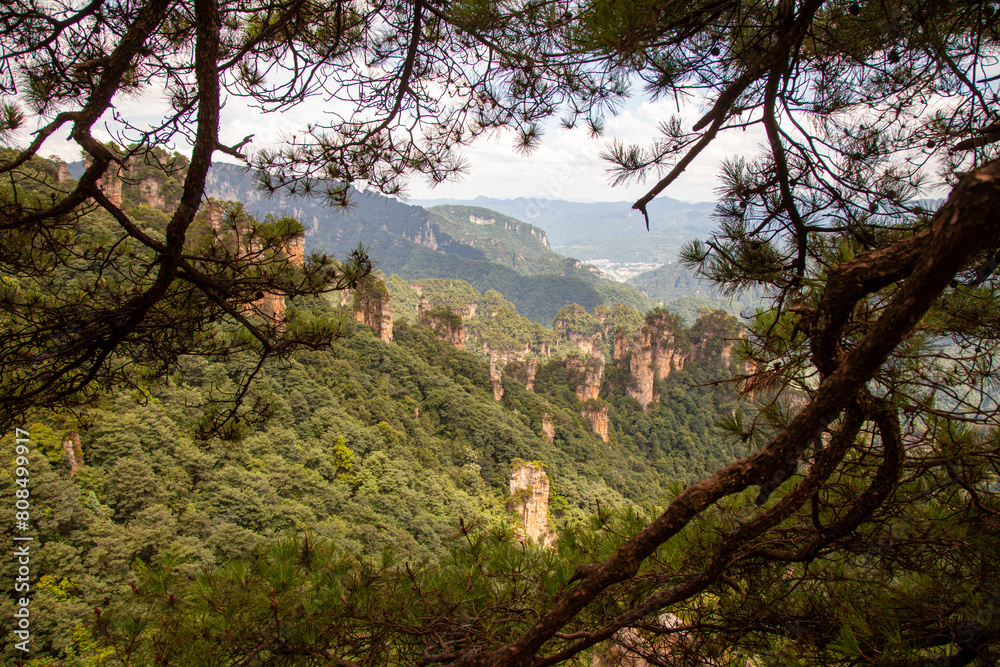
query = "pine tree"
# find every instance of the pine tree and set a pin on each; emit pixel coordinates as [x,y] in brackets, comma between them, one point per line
[873,438]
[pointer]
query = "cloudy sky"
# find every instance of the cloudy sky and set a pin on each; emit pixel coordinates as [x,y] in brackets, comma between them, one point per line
[567,164]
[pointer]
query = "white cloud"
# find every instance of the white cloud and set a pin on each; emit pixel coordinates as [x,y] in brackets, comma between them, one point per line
[567,164]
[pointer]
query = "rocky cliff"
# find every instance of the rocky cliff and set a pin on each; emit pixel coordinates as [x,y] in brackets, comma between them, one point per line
[596,413]
[73,451]
[529,502]
[657,350]
[663,345]
[372,308]
[446,323]
[585,374]
[640,351]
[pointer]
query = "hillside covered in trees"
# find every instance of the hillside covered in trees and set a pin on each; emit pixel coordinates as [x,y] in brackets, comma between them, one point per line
[848,517]
[506,255]
[371,446]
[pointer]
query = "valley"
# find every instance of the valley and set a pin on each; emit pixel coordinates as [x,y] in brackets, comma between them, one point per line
[473,349]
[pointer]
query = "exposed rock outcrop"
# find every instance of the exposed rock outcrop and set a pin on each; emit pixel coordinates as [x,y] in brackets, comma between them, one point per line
[621,345]
[446,324]
[581,329]
[74,453]
[585,375]
[111,185]
[548,428]
[372,308]
[524,372]
[110,182]
[496,381]
[529,501]
[272,305]
[296,251]
[149,189]
[513,226]
[425,236]
[596,412]
[62,171]
[656,352]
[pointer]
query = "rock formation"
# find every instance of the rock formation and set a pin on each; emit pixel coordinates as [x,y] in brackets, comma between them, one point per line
[548,428]
[446,323]
[149,190]
[74,453]
[495,378]
[585,375]
[656,352]
[272,305]
[110,182]
[62,171]
[581,329]
[529,501]
[371,307]
[596,412]
[523,371]
[296,251]
[621,346]
[514,226]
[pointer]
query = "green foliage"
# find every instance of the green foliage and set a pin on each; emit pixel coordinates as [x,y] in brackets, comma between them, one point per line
[343,458]
[371,447]
[574,318]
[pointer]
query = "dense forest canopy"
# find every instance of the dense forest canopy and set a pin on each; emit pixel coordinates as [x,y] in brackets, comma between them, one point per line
[873,537]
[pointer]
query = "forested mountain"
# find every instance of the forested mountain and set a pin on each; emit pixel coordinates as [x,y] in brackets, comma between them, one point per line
[609,230]
[416,243]
[177,385]
[370,445]
[491,250]
[679,290]
[406,427]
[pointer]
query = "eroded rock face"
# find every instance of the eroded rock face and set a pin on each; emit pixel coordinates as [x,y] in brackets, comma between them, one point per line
[585,375]
[531,369]
[641,367]
[149,190]
[74,453]
[655,354]
[496,381]
[425,236]
[110,183]
[374,310]
[524,372]
[446,324]
[548,428]
[272,305]
[598,418]
[529,501]
[621,345]
[592,345]
[62,171]
[296,251]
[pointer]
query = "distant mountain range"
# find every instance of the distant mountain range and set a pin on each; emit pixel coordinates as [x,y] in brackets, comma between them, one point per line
[605,230]
[518,247]
[486,248]
[612,237]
